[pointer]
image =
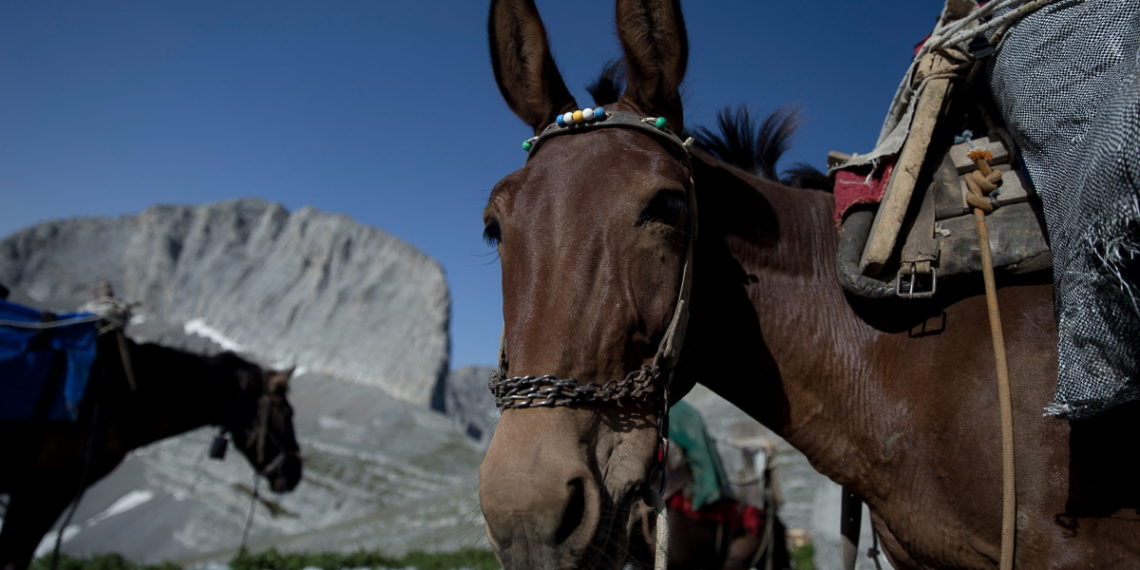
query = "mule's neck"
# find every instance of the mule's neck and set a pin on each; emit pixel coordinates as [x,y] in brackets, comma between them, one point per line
[178,392]
[775,333]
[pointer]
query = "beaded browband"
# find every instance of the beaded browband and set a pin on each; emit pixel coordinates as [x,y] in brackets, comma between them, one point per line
[549,390]
[584,120]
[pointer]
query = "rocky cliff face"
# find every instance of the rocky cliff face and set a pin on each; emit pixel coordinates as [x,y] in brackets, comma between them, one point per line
[306,288]
[464,398]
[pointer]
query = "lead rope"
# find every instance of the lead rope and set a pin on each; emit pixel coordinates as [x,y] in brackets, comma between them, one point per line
[661,546]
[661,533]
[671,345]
[262,429]
[249,517]
[979,182]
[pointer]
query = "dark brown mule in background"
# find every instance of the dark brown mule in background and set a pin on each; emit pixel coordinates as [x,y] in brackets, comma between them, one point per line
[47,464]
[717,537]
[592,236]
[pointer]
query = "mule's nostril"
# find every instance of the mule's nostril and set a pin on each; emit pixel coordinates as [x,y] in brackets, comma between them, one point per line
[574,512]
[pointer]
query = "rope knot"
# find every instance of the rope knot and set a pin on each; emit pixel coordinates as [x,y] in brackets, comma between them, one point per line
[114,313]
[981,182]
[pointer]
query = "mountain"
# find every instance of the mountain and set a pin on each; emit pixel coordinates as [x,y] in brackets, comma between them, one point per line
[307,288]
[464,398]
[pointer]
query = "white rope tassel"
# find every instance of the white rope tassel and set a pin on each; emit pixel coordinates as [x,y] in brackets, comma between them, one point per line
[661,546]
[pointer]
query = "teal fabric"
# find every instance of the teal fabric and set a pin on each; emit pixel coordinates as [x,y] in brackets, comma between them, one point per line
[687,430]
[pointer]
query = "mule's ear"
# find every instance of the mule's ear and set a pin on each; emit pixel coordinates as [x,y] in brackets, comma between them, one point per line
[524,68]
[656,53]
[279,379]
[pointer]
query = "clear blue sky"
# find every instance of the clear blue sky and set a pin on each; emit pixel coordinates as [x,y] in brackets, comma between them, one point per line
[386,111]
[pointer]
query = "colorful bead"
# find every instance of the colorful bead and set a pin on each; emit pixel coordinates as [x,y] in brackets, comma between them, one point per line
[527,145]
[578,116]
[588,114]
[568,118]
[561,122]
[599,113]
[659,123]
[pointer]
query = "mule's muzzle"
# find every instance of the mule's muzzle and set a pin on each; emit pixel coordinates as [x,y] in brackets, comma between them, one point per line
[541,525]
[284,474]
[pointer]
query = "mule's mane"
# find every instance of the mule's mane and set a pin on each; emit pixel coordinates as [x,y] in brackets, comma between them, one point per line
[737,140]
[150,356]
[757,149]
[804,175]
[607,88]
[740,143]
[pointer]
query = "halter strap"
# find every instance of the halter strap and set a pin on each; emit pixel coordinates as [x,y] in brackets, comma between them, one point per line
[549,390]
[652,126]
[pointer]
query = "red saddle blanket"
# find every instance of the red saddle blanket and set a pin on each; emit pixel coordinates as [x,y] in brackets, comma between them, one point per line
[733,514]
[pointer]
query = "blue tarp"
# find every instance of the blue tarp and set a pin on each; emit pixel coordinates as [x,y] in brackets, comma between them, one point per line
[50,362]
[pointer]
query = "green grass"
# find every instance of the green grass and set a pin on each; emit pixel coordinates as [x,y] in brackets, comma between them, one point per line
[274,560]
[96,562]
[803,558]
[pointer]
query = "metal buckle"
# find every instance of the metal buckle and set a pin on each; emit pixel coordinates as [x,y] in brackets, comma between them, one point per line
[917,283]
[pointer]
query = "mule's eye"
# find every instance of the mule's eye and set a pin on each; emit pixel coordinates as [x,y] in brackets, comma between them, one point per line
[667,207]
[492,234]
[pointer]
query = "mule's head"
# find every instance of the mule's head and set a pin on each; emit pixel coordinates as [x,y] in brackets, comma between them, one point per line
[261,423]
[592,233]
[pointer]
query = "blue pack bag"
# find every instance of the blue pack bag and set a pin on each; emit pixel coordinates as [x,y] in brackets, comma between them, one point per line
[45,362]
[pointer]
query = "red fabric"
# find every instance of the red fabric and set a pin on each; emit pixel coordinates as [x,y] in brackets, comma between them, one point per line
[752,520]
[918,46]
[733,514]
[852,187]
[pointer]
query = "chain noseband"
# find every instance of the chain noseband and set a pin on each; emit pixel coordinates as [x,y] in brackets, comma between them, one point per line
[549,391]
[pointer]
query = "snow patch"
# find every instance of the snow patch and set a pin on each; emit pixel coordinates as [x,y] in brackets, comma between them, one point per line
[47,544]
[199,327]
[124,504]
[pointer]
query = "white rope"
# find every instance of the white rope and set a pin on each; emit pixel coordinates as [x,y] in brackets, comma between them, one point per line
[49,324]
[661,542]
[957,34]
[953,35]
[115,312]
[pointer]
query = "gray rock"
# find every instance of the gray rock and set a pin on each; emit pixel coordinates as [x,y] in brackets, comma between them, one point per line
[464,397]
[307,288]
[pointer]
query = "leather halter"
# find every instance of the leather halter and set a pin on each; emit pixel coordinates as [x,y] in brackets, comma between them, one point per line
[256,439]
[549,390]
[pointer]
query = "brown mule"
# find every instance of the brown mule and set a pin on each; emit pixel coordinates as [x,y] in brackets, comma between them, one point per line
[176,392]
[592,235]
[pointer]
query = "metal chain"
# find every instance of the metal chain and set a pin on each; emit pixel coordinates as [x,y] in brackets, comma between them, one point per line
[549,390]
